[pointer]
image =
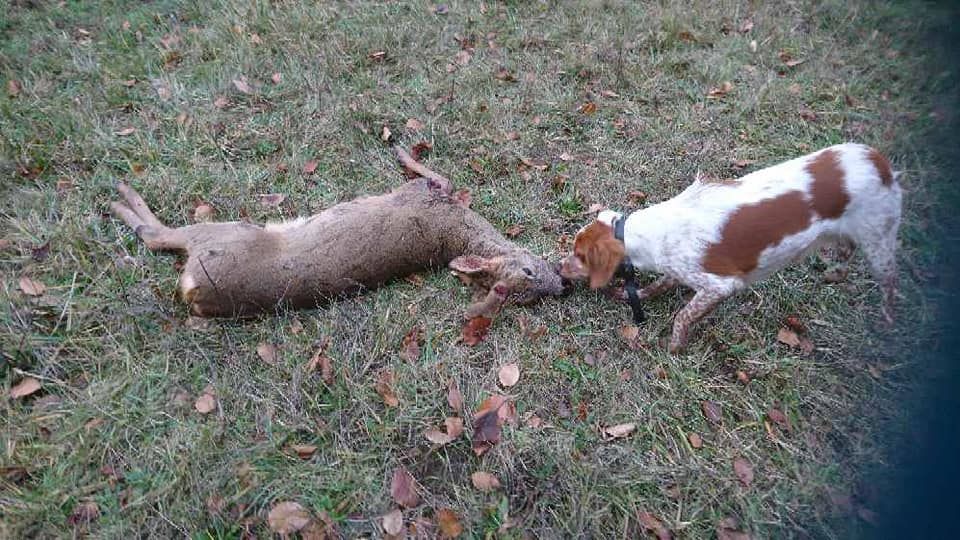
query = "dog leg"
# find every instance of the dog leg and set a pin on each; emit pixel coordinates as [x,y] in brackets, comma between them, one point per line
[658,287]
[701,304]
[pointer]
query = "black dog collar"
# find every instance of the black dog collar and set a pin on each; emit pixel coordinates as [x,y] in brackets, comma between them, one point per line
[629,275]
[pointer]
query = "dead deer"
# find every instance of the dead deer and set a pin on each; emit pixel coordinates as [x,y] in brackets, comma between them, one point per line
[241,269]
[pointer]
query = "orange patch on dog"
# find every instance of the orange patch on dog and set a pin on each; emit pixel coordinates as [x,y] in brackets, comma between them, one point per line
[752,229]
[882,166]
[600,252]
[829,191]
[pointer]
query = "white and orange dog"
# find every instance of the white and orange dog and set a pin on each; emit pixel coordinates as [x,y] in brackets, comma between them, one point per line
[719,237]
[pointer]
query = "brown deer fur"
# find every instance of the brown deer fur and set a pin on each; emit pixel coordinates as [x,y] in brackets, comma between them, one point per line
[240,269]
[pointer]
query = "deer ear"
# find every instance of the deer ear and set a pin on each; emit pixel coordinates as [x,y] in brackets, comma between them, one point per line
[470,265]
[603,258]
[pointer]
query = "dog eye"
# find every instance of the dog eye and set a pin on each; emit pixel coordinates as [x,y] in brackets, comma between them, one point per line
[528,272]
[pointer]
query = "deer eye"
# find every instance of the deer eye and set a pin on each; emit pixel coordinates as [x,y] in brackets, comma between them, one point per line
[527,271]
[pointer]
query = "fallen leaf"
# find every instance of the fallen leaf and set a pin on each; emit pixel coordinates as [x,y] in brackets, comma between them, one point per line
[486,423]
[513,136]
[206,403]
[384,387]
[534,422]
[514,231]
[13,87]
[304,451]
[743,163]
[565,157]
[449,523]
[509,375]
[215,504]
[712,412]
[410,347]
[484,481]
[93,423]
[475,330]
[631,334]
[267,352]
[392,522]
[618,431]
[687,36]
[609,94]
[242,85]
[32,287]
[463,57]
[377,56]
[25,387]
[414,124]
[744,471]
[84,513]
[454,426]
[794,323]
[788,337]
[795,62]
[310,166]
[635,198]
[385,134]
[720,91]
[287,517]
[588,108]
[743,377]
[695,440]
[504,74]
[276,78]
[729,529]
[125,131]
[203,212]
[454,397]
[777,416]
[746,26]
[420,149]
[807,115]
[806,346]
[403,488]
[272,200]
[653,525]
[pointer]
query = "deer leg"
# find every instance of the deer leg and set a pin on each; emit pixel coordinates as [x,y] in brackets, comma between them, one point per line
[136,204]
[138,217]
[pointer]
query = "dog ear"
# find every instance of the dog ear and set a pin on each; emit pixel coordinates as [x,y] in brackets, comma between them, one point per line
[602,252]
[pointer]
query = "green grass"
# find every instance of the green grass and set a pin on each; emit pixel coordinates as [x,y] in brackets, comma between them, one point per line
[109,342]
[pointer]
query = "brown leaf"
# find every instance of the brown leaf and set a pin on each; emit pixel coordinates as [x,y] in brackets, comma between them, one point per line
[788,337]
[305,451]
[414,125]
[618,431]
[287,517]
[377,56]
[743,377]
[534,422]
[272,200]
[454,427]
[463,57]
[588,108]
[565,157]
[449,523]
[454,397]
[486,423]
[13,87]
[420,149]
[746,26]
[125,131]
[795,62]
[84,513]
[653,525]
[695,440]
[32,287]
[268,353]
[635,198]
[310,166]
[712,412]
[503,74]
[392,522]
[514,231]
[806,346]
[744,471]
[729,529]
[509,375]
[794,323]
[93,423]
[475,330]
[242,85]
[206,403]
[631,334]
[687,36]
[203,212]
[410,347]
[24,388]
[777,416]
[484,481]
[808,115]
[384,387]
[720,91]
[276,78]
[403,488]
[609,94]
[743,163]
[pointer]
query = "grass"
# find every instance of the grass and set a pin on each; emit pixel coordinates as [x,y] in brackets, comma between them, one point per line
[120,368]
